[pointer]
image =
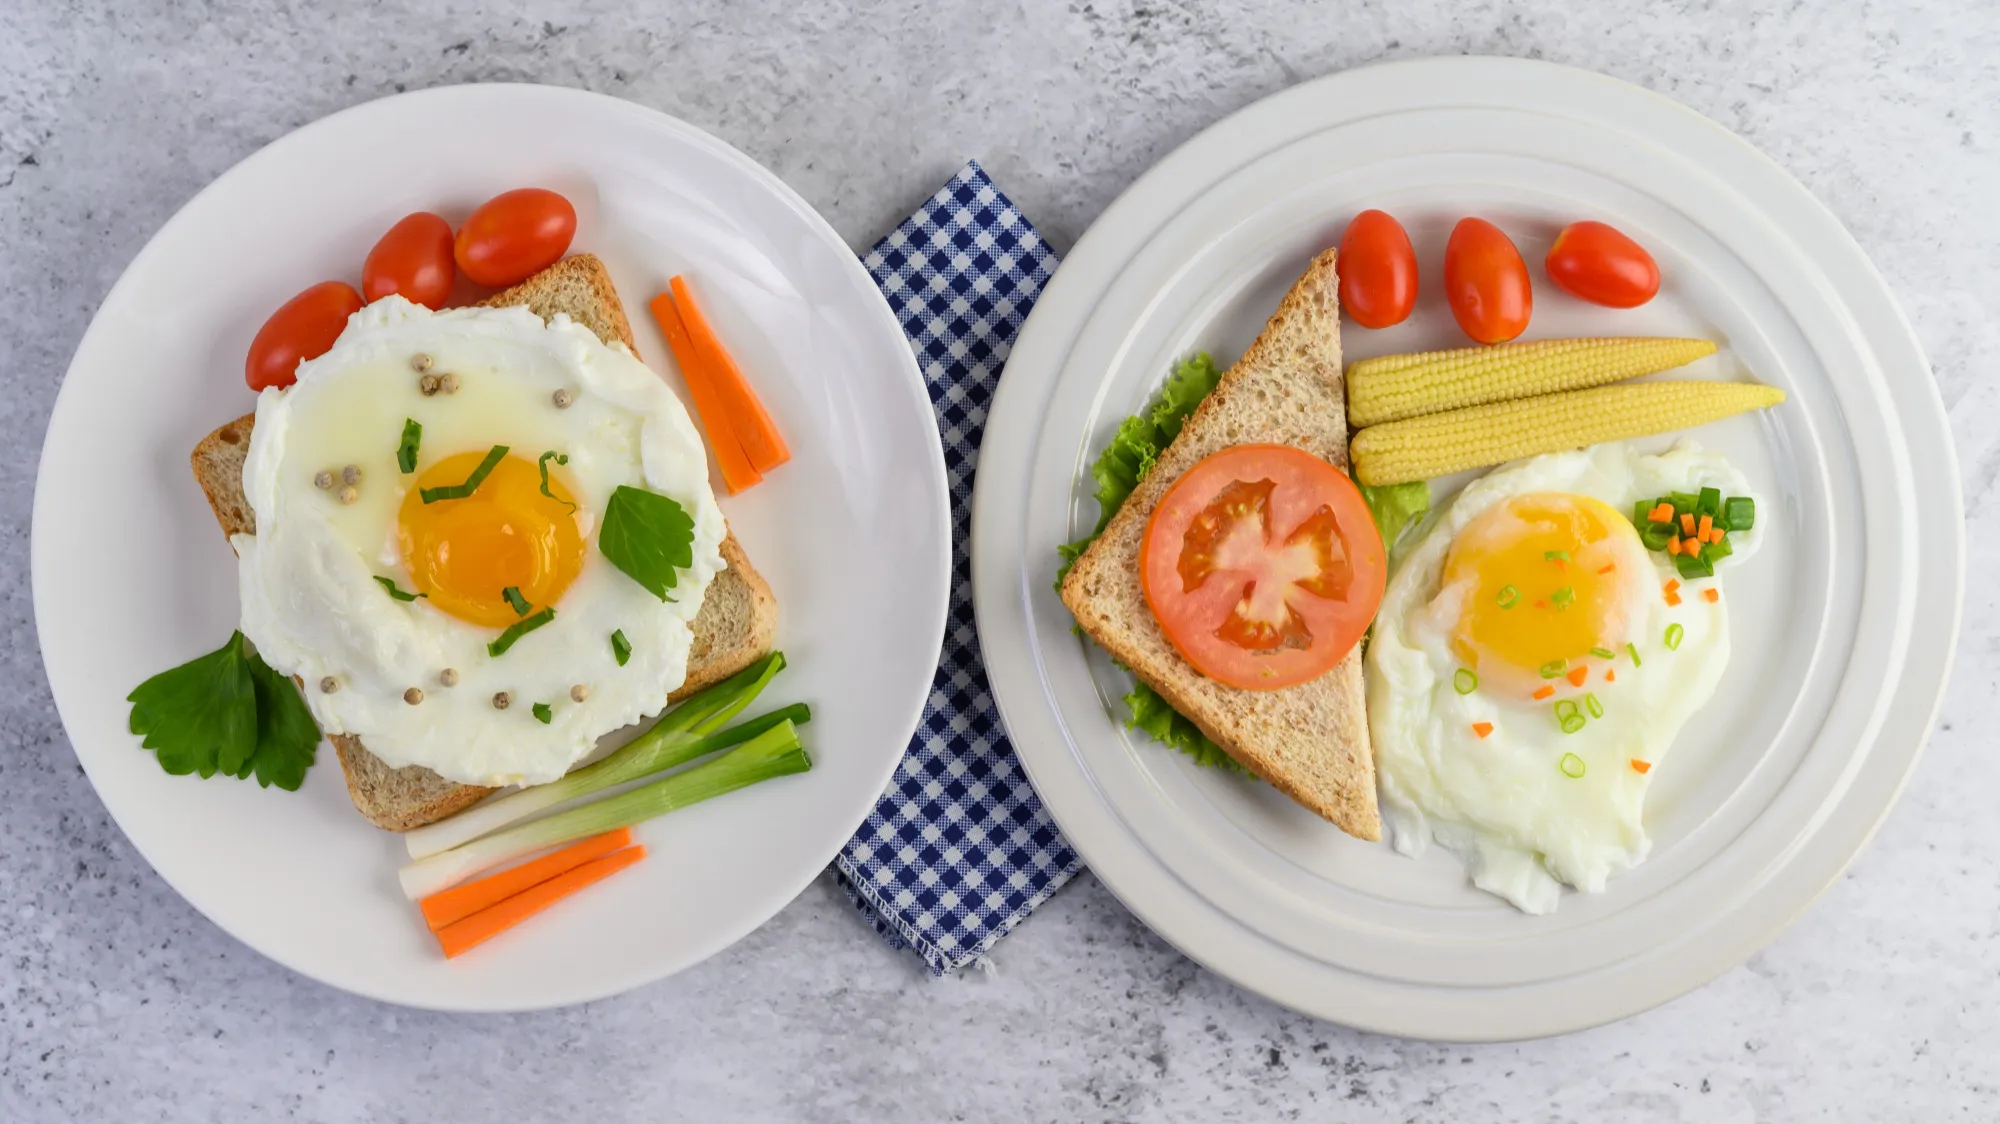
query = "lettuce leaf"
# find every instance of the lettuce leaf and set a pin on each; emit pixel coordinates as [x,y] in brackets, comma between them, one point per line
[1396,508]
[1133,451]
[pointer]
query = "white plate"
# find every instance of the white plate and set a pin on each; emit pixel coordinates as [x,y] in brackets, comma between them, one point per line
[131,575]
[1845,619]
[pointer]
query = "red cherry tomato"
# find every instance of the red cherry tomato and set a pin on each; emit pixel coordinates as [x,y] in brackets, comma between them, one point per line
[304,328]
[515,235]
[413,259]
[1378,271]
[1595,262]
[1486,282]
[1263,566]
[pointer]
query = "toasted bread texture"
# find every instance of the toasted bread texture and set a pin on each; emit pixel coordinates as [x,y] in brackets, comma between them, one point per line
[736,624]
[1309,741]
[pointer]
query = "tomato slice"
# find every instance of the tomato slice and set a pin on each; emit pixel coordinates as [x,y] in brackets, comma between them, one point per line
[1263,566]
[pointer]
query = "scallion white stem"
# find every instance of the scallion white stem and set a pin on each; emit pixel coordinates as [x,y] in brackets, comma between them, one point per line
[774,753]
[673,740]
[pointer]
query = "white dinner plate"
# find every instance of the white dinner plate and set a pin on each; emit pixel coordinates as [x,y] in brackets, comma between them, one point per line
[131,575]
[1844,621]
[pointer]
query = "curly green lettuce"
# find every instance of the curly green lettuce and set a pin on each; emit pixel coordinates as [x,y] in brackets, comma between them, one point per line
[1396,508]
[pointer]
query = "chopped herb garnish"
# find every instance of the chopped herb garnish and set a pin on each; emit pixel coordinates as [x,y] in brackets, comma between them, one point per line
[1554,669]
[406,452]
[519,629]
[1567,716]
[543,713]
[1634,650]
[1604,653]
[517,602]
[1571,765]
[621,647]
[1591,704]
[390,585]
[1739,513]
[1508,597]
[648,536]
[543,465]
[1465,681]
[1709,502]
[472,482]
[1562,597]
[1674,634]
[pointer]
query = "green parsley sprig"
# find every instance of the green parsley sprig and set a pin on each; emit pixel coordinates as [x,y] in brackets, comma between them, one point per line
[227,712]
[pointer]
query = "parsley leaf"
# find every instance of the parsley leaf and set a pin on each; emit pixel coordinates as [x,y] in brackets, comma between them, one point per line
[543,713]
[399,594]
[406,449]
[621,648]
[226,712]
[648,536]
[542,466]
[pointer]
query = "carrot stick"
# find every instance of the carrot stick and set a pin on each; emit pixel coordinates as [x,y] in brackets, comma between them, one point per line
[447,906]
[753,424]
[460,936]
[737,471]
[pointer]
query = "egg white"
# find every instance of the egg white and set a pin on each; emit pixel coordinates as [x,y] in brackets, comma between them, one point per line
[310,600]
[1503,803]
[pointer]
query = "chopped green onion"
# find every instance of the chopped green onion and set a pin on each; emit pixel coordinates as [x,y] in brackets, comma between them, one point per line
[1562,597]
[1509,597]
[1684,504]
[1565,709]
[1556,555]
[517,602]
[1554,668]
[1674,634]
[1573,723]
[406,453]
[543,466]
[691,730]
[1465,681]
[542,713]
[1571,765]
[621,647]
[1591,704]
[1634,650]
[519,629]
[1656,536]
[1692,568]
[1714,550]
[1739,513]
[1604,653]
[1641,510]
[774,753]
[390,585]
[472,482]
[1709,503]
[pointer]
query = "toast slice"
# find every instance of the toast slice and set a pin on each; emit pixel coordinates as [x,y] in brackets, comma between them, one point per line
[1309,741]
[735,626]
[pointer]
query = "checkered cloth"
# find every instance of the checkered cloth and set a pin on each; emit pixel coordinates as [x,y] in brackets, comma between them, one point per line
[959,850]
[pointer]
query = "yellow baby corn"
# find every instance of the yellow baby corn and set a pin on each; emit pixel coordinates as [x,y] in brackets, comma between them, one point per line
[1404,386]
[1437,444]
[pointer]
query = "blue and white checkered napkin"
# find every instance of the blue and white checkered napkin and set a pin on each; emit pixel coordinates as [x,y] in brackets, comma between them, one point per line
[960,849]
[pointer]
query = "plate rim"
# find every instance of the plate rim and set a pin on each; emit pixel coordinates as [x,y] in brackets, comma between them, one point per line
[935,615]
[1003,602]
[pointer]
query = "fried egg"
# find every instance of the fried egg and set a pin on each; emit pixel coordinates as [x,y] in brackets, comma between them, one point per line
[1527,671]
[388,608]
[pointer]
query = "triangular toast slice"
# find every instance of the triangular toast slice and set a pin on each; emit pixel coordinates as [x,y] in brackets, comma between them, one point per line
[1309,741]
[734,628]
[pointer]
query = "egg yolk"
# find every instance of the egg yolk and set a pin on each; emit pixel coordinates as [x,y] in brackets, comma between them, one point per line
[1539,582]
[465,553]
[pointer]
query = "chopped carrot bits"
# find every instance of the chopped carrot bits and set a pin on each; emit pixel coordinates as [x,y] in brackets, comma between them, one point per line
[1711,596]
[1641,767]
[1674,545]
[1544,691]
[1687,523]
[1664,513]
[1607,567]
[1577,675]
[1706,525]
[1611,675]
[1482,728]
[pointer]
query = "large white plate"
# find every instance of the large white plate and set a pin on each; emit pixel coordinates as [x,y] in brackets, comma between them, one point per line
[1845,620]
[132,577]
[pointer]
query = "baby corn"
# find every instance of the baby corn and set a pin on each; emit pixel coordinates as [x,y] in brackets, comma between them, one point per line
[1438,444]
[1403,386]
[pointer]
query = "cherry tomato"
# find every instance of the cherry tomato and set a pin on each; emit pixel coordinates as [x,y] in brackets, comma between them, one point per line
[304,328]
[1486,282]
[1595,262]
[1378,271]
[515,235]
[414,259]
[1263,566]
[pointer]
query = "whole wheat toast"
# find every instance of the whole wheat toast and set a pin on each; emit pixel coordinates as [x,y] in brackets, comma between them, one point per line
[1309,741]
[735,626]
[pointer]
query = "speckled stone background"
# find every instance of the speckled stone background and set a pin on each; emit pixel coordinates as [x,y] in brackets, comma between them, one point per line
[119,1003]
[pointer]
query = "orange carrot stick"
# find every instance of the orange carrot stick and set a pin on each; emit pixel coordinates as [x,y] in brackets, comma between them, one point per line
[460,936]
[754,427]
[447,906]
[737,471]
